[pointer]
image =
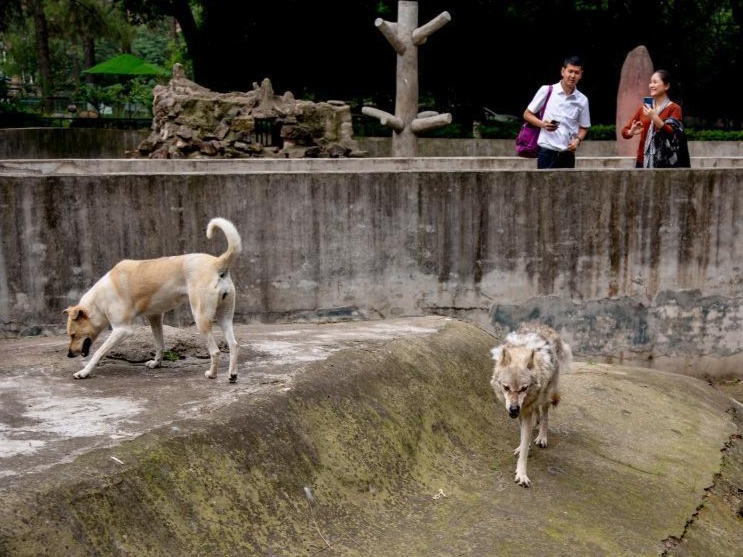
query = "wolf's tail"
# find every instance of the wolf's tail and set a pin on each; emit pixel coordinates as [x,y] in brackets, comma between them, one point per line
[234,243]
[565,356]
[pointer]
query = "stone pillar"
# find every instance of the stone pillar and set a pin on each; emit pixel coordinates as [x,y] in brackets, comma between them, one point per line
[633,86]
[405,37]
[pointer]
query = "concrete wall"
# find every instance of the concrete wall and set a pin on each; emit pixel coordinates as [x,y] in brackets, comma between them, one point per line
[54,143]
[46,143]
[434,147]
[634,266]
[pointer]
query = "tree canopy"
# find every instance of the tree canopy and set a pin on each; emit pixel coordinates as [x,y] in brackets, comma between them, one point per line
[493,53]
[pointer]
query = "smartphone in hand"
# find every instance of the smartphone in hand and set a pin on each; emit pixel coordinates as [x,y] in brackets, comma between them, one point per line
[648,101]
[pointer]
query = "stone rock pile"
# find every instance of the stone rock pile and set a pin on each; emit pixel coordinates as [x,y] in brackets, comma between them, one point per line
[191,121]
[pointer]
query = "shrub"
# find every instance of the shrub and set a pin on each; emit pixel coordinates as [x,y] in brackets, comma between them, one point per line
[602,132]
[714,135]
[493,129]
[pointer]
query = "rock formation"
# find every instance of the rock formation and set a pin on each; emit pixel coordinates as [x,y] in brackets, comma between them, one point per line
[633,86]
[191,121]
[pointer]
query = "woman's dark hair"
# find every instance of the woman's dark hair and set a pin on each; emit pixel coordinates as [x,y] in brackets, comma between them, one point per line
[673,87]
[665,77]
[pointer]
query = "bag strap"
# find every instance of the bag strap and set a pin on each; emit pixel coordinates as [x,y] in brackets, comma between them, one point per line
[546,100]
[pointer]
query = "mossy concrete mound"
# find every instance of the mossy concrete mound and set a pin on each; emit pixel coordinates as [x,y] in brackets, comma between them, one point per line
[398,448]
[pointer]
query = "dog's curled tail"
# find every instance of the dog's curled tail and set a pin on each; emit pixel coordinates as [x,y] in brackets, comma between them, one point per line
[234,243]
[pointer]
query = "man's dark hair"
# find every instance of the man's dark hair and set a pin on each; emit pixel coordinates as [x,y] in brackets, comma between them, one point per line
[573,61]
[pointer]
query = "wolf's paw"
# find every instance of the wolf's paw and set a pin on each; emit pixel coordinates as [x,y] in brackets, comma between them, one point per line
[82,374]
[233,378]
[152,364]
[523,480]
[209,375]
[541,441]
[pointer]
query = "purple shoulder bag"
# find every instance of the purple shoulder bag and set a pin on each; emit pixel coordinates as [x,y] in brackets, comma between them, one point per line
[526,140]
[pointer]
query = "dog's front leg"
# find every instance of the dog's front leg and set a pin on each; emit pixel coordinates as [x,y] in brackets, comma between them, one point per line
[526,424]
[156,323]
[116,336]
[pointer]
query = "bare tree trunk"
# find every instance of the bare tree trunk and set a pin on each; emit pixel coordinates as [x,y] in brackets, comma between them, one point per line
[41,37]
[183,14]
[89,57]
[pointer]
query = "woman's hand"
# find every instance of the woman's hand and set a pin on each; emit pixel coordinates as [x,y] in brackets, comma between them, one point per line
[636,127]
[653,115]
[648,111]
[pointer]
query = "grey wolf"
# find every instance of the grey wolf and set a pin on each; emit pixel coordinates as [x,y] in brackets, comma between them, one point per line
[149,288]
[525,378]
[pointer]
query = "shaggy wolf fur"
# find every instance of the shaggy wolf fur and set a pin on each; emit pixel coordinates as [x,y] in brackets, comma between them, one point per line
[151,287]
[525,379]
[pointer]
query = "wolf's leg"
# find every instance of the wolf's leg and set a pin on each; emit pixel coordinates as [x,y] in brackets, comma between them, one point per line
[523,451]
[541,439]
[156,324]
[532,421]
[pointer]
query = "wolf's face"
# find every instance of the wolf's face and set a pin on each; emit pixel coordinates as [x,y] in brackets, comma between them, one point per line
[513,378]
[513,390]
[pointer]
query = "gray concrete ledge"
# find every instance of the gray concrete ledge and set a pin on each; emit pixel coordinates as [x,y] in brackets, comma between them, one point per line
[238,166]
[377,438]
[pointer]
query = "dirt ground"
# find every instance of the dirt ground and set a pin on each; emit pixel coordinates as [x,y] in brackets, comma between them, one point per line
[584,478]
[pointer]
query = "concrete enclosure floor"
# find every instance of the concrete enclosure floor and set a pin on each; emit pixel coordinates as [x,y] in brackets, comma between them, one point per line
[364,438]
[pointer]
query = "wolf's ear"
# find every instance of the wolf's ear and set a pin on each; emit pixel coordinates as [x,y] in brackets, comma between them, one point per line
[505,357]
[530,363]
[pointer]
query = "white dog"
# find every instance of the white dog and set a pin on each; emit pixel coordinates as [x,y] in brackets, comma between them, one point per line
[151,287]
[525,378]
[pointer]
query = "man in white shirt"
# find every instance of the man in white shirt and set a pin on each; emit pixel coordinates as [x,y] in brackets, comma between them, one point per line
[566,118]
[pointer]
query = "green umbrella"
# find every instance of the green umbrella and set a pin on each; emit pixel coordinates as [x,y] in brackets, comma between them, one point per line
[126,64]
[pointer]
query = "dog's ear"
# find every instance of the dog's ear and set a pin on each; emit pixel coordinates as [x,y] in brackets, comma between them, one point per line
[505,357]
[75,313]
[530,363]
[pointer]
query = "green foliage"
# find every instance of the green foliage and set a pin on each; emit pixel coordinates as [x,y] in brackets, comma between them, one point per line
[94,95]
[366,126]
[714,135]
[129,99]
[14,115]
[153,44]
[453,130]
[141,92]
[608,132]
[698,40]
[602,132]
[494,129]
[21,59]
